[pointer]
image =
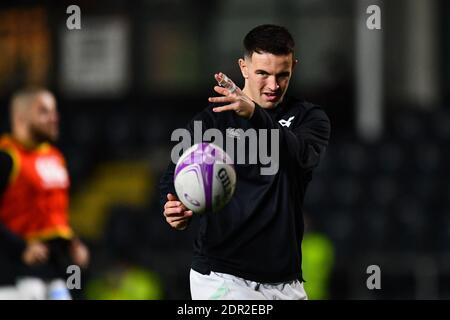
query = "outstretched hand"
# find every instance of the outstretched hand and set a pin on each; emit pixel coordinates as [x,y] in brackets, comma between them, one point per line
[237,100]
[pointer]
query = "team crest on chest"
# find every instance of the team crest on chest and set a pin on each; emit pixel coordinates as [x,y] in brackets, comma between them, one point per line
[52,173]
[286,123]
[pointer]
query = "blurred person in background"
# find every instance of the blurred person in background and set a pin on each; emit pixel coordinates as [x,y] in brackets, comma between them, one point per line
[318,260]
[36,239]
[252,248]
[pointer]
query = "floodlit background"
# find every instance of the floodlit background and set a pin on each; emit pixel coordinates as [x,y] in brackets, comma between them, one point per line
[139,69]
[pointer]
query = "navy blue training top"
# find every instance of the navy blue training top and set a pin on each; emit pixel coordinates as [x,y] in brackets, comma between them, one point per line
[258,234]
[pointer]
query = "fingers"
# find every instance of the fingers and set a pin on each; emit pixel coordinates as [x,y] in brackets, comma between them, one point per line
[171,197]
[174,208]
[38,257]
[41,252]
[222,91]
[180,223]
[228,93]
[227,96]
[225,82]
[234,106]
[231,94]
[35,253]
[176,213]
[219,77]
[80,255]
[40,249]
[184,216]
[221,99]
[172,204]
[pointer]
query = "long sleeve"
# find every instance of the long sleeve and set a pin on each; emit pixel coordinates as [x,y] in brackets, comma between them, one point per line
[306,141]
[166,184]
[9,242]
[6,166]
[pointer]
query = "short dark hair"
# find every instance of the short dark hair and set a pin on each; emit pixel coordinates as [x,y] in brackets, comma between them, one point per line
[269,38]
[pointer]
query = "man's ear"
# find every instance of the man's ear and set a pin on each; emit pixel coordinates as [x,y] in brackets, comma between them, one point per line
[294,63]
[19,114]
[244,67]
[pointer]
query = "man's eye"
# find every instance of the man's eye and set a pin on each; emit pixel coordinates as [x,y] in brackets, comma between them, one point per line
[283,76]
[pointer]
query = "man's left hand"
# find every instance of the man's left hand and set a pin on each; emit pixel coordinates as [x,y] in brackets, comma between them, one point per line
[79,253]
[237,101]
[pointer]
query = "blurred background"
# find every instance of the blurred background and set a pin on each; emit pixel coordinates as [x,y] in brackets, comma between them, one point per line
[136,70]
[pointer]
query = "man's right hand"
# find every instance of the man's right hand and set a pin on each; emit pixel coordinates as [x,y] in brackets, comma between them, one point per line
[35,253]
[177,215]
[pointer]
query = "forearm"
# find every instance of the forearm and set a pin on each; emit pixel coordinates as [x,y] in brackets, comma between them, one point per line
[11,243]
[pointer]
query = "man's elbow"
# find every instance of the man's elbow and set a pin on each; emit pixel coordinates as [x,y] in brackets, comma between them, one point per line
[311,158]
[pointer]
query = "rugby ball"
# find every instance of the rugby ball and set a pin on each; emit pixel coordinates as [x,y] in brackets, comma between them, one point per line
[204,178]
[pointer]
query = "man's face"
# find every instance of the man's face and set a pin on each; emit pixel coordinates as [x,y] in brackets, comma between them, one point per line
[43,118]
[267,77]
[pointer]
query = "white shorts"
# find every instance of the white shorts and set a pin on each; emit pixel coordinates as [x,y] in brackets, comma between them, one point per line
[222,286]
[31,288]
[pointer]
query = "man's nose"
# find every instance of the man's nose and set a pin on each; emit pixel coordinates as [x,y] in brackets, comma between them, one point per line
[272,83]
[54,117]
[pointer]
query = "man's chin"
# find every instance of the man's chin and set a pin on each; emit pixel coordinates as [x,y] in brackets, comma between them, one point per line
[269,104]
[273,103]
[45,138]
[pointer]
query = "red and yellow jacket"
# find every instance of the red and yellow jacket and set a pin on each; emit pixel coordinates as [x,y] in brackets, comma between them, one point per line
[35,203]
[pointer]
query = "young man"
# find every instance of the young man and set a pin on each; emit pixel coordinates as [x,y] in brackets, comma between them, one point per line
[252,248]
[35,236]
